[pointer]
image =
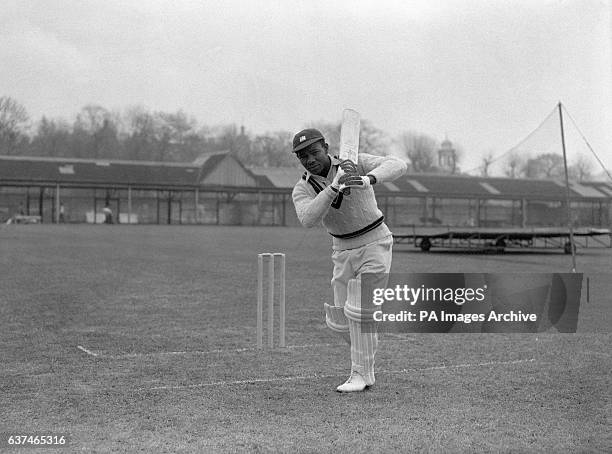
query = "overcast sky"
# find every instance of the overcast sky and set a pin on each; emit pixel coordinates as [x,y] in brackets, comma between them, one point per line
[484,72]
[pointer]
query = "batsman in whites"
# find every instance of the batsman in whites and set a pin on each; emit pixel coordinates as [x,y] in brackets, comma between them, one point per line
[361,241]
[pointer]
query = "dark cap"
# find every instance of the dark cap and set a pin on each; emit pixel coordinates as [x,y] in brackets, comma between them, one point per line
[306,138]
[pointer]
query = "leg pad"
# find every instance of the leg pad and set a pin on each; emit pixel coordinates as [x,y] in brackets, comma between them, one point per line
[336,321]
[352,308]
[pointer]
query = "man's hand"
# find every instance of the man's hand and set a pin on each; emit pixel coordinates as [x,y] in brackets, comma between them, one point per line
[346,169]
[335,184]
[349,167]
[354,181]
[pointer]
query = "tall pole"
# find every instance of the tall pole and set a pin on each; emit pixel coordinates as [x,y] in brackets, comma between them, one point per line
[129,204]
[567,192]
[197,202]
[57,203]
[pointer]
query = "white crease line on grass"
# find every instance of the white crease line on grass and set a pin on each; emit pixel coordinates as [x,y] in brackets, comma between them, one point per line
[317,376]
[198,352]
[210,352]
[89,352]
[591,352]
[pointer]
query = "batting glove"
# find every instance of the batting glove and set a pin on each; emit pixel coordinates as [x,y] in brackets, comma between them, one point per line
[354,181]
[335,184]
[349,167]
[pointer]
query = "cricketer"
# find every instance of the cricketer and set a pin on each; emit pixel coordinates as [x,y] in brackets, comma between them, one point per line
[361,241]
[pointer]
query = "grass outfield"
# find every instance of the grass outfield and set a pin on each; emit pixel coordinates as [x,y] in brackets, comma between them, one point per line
[139,338]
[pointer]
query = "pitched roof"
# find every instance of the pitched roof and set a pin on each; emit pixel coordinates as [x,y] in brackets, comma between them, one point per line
[207,162]
[604,187]
[470,186]
[278,177]
[420,184]
[20,169]
[74,171]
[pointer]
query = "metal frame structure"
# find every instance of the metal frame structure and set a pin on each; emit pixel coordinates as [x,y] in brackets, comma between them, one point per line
[499,240]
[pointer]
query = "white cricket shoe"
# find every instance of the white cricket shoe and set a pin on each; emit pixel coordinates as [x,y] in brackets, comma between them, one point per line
[355,383]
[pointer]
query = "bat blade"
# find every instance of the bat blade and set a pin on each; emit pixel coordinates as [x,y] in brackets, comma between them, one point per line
[349,135]
[349,145]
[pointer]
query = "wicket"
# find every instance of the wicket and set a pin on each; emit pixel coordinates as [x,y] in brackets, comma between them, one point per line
[270,293]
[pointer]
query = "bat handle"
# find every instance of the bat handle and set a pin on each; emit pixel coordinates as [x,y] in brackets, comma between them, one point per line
[341,192]
[338,200]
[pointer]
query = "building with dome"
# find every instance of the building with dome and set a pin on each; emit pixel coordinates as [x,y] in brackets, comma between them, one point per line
[447,158]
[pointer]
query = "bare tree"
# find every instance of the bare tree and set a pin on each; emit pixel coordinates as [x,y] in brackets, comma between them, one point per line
[373,140]
[96,131]
[513,165]
[52,138]
[419,149]
[273,150]
[13,123]
[487,160]
[237,141]
[331,132]
[229,138]
[171,130]
[139,141]
[545,165]
[582,169]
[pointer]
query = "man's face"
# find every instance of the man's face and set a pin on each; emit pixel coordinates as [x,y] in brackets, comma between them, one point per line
[315,159]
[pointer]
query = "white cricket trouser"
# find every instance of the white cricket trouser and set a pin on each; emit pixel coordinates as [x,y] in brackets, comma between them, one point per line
[350,264]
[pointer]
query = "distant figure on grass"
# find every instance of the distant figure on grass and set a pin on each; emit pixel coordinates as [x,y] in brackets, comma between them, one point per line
[108,214]
[361,243]
[62,213]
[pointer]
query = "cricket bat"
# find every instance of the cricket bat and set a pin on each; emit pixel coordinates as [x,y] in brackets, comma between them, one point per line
[349,146]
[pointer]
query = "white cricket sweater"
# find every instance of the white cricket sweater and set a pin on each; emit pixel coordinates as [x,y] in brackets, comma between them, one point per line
[358,210]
